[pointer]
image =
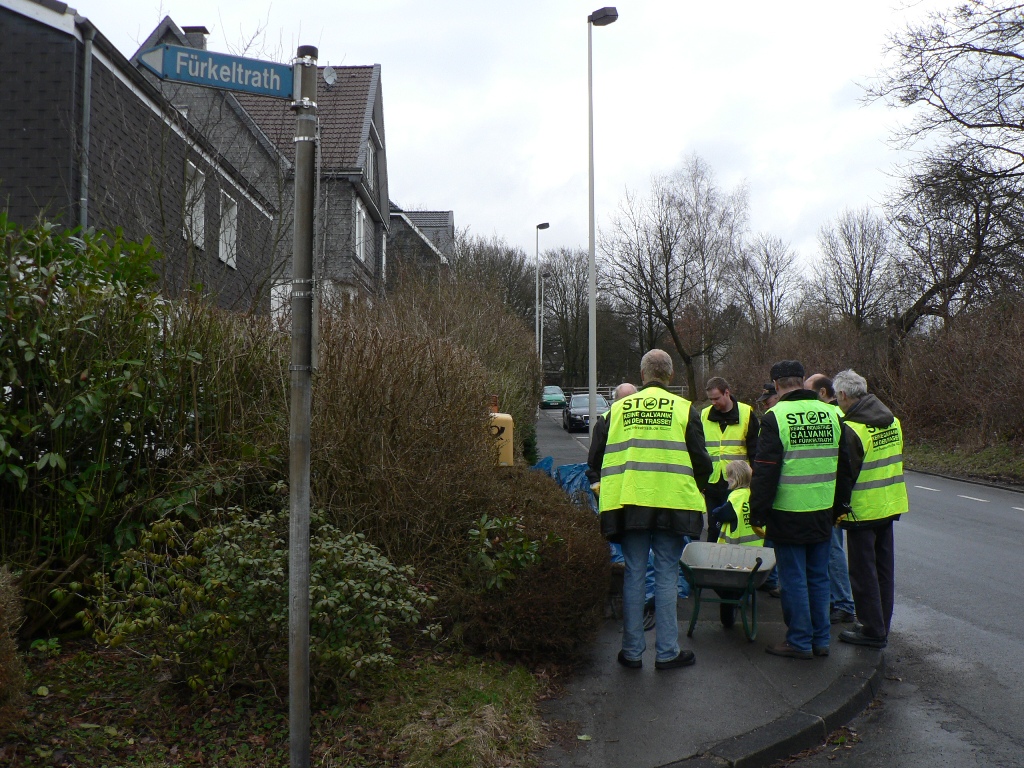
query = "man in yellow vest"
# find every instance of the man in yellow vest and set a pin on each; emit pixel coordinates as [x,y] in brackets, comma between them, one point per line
[875,440]
[801,481]
[730,434]
[653,467]
[843,609]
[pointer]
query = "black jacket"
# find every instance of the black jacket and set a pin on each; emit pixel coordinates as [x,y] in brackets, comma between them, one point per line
[871,411]
[792,527]
[631,517]
[718,492]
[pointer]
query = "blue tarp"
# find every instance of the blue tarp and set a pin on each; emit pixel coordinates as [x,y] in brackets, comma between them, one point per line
[573,480]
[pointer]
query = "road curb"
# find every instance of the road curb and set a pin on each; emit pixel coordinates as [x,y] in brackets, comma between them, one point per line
[972,481]
[802,729]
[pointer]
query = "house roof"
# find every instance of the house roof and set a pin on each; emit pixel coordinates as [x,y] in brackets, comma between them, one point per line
[431,218]
[167,29]
[345,110]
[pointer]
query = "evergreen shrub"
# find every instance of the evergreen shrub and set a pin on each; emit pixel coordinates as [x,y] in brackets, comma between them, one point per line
[214,604]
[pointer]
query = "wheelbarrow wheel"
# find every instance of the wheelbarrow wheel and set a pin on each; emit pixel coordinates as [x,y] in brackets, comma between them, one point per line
[728,614]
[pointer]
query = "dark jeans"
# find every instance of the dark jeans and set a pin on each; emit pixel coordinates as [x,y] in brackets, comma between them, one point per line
[803,579]
[872,576]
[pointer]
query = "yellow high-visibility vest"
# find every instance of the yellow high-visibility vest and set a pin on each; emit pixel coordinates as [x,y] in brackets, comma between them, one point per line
[743,533]
[646,461]
[810,432]
[728,444]
[880,490]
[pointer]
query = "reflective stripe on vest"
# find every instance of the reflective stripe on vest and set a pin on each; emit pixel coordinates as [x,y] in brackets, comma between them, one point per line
[743,533]
[728,444]
[810,433]
[646,461]
[879,491]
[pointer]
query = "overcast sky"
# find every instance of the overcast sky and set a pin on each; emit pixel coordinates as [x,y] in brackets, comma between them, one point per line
[485,103]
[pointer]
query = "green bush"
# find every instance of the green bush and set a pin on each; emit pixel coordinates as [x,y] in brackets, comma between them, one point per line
[118,407]
[214,604]
[502,549]
[552,607]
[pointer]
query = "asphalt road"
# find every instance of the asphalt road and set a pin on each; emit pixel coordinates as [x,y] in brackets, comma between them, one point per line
[954,690]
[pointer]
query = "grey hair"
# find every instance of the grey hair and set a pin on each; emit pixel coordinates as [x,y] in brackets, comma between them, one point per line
[656,365]
[851,383]
[625,389]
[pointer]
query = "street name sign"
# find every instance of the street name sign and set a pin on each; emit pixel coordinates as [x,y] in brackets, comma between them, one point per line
[218,70]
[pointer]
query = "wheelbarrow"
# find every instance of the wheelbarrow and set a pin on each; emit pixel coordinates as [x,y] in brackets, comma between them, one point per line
[733,572]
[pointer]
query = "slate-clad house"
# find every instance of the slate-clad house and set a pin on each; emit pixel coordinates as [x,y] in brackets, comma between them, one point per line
[86,140]
[350,251]
[99,140]
[420,241]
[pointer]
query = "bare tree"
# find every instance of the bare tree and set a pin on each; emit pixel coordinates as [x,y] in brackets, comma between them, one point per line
[765,282]
[498,267]
[962,242]
[853,279]
[715,224]
[566,311]
[667,254]
[963,70]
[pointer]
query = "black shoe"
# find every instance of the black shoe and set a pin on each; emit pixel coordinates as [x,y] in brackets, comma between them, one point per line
[839,616]
[630,663]
[857,637]
[682,659]
[787,650]
[772,591]
[727,613]
[820,650]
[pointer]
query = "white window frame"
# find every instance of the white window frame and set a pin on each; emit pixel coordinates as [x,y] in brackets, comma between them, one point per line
[363,231]
[371,164]
[195,206]
[228,248]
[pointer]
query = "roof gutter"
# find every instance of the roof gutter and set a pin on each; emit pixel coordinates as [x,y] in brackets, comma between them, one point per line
[88,35]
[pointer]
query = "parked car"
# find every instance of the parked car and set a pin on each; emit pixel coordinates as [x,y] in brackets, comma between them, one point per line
[553,397]
[576,414]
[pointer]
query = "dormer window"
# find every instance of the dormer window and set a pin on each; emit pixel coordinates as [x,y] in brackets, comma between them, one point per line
[371,164]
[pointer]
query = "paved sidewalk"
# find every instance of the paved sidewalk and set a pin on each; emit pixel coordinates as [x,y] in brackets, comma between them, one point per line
[738,706]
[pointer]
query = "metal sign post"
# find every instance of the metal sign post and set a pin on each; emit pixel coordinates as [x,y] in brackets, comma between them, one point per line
[301,368]
[298,83]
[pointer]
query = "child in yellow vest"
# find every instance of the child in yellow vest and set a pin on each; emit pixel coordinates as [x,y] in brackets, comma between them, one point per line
[734,515]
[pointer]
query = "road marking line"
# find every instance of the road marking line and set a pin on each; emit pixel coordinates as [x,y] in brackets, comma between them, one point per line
[972,498]
[926,488]
[1019,509]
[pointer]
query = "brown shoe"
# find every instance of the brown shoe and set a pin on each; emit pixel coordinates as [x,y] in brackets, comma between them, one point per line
[787,650]
[820,650]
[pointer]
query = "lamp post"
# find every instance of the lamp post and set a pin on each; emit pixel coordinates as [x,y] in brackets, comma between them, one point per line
[536,295]
[599,18]
[543,285]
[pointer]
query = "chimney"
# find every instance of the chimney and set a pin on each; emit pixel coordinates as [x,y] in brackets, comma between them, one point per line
[196,36]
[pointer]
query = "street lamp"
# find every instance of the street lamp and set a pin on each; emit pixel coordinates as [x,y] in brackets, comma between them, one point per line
[536,295]
[599,18]
[543,285]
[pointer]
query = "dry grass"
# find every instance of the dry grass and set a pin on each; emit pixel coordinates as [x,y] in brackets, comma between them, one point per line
[12,670]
